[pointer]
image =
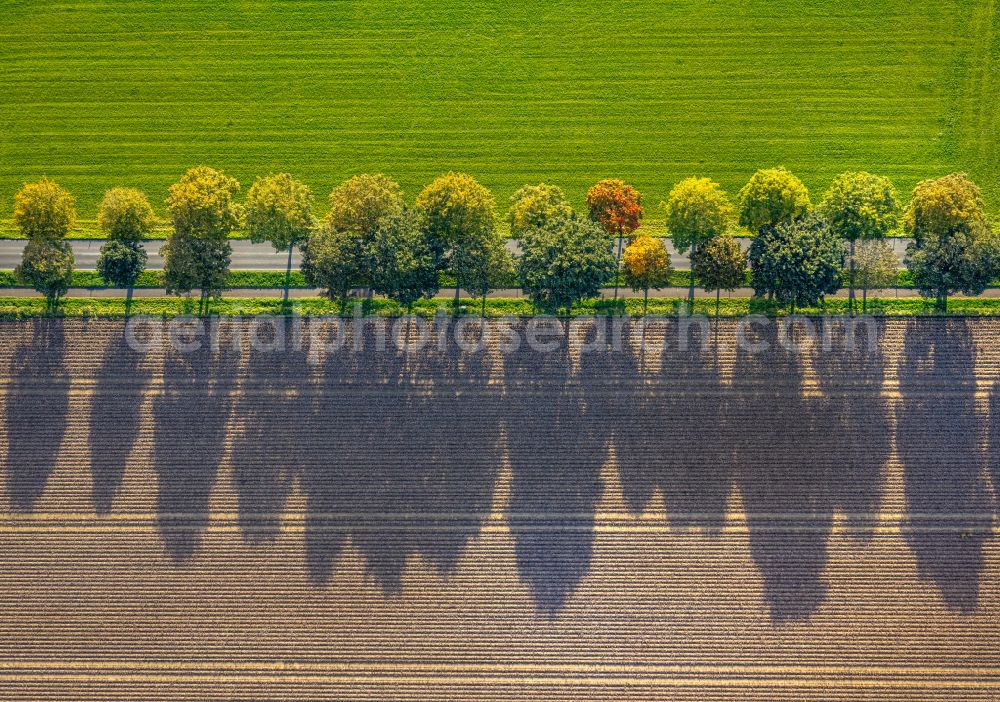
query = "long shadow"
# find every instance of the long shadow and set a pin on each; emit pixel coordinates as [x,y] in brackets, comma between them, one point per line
[993,455]
[272,439]
[556,448]
[190,418]
[787,499]
[854,431]
[36,412]
[412,474]
[114,418]
[343,424]
[938,439]
[671,425]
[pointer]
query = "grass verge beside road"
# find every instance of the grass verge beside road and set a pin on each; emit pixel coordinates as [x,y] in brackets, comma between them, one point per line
[17,308]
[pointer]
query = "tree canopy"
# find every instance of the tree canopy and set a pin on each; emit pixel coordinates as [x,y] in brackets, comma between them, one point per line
[534,205]
[453,210]
[279,210]
[647,264]
[332,260]
[197,252]
[47,266]
[403,261]
[798,262]
[362,202]
[771,197]
[121,262]
[954,247]
[201,203]
[125,215]
[720,264]
[484,264]
[940,206]
[566,261]
[44,210]
[877,266]
[616,206]
[697,210]
[860,205]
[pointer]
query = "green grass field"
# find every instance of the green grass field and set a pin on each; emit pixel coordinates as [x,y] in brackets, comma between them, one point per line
[98,94]
[22,307]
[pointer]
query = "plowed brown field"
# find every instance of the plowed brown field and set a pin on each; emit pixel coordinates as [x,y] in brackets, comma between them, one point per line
[445,524]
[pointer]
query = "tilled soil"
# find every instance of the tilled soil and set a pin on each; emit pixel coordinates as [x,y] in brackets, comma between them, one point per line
[605,522]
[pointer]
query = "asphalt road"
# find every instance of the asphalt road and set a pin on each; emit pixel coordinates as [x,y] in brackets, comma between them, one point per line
[248,256]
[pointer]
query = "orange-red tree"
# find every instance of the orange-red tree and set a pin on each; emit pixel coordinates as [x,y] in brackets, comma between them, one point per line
[617,207]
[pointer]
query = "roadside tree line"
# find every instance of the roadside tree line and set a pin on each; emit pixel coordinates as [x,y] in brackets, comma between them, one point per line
[371,239]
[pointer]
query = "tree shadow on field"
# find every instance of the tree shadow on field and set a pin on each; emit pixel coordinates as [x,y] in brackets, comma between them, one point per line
[556,447]
[789,510]
[854,433]
[413,470]
[273,435]
[938,439]
[190,417]
[114,418]
[671,432]
[36,411]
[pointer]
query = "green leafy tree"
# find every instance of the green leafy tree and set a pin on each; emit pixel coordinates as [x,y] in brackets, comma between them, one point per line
[647,265]
[404,263]
[279,210]
[954,247]
[534,205]
[120,264]
[47,266]
[859,207]
[455,212]
[771,197]
[877,267]
[197,253]
[798,263]
[564,262]
[484,265]
[44,210]
[359,205]
[332,260]
[720,264]
[617,207]
[126,217]
[697,211]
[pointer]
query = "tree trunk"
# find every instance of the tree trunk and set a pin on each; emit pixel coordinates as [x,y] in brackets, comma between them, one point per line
[484,306]
[864,300]
[850,291]
[645,301]
[618,264]
[457,291]
[128,301]
[718,295]
[288,274]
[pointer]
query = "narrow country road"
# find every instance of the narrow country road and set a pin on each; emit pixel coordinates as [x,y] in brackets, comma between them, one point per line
[248,256]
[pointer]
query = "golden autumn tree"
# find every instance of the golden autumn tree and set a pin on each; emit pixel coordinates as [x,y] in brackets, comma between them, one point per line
[647,265]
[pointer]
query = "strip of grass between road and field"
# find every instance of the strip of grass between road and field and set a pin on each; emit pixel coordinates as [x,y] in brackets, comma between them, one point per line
[90,280]
[18,308]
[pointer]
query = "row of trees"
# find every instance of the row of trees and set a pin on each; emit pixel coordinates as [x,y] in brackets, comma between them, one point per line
[372,239]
